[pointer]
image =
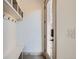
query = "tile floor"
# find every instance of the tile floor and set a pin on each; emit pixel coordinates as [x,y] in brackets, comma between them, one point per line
[32,57]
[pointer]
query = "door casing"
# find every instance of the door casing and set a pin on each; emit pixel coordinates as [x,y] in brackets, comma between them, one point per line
[45,27]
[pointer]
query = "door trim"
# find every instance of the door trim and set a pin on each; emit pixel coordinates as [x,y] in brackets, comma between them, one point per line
[54,6]
[54,12]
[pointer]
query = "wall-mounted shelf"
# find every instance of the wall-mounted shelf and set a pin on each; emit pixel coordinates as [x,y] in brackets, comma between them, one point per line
[12,8]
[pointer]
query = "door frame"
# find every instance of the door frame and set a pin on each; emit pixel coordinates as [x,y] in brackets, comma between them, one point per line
[54,12]
[54,6]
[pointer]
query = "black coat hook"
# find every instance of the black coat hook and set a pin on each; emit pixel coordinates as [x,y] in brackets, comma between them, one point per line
[12,20]
[15,21]
[8,18]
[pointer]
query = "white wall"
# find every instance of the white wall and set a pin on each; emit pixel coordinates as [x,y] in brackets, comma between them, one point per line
[20,33]
[9,33]
[32,32]
[66,48]
[31,26]
[13,38]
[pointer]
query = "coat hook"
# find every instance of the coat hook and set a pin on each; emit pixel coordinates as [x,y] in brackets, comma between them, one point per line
[12,20]
[15,21]
[8,18]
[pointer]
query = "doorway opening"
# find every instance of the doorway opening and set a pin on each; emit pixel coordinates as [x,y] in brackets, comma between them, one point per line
[32,28]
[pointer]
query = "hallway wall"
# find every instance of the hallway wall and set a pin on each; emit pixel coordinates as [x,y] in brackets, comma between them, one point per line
[9,39]
[31,26]
[32,32]
[66,43]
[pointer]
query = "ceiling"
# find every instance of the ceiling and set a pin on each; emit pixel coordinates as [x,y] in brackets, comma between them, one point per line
[29,5]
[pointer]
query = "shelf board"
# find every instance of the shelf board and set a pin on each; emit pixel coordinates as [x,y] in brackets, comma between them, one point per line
[8,8]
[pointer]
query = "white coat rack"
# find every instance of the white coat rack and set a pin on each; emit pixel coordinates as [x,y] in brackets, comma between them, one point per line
[12,8]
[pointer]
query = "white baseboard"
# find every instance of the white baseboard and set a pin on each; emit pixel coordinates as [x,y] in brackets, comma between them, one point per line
[32,53]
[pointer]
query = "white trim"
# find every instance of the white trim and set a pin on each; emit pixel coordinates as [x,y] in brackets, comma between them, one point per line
[32,53]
